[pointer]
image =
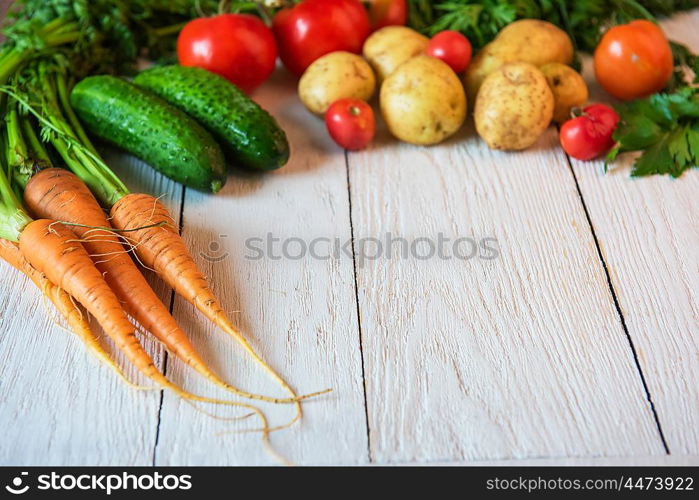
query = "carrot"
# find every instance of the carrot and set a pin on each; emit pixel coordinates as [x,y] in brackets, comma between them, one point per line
[48,242]
[158,244]
[59,194]
[69,310]
[55,251]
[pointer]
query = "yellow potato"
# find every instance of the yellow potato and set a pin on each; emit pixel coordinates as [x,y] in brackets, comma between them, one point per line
[539,42]
[568,87]
[514,107]
[528,40]
[487,60]
[423,101]
[334,76]
[389,47]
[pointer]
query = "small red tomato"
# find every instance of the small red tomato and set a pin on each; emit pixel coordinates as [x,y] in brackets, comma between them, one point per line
[238,47]
[313,28]
[384,13]
[351,123]
[451,47]
[590,135]
[633,60]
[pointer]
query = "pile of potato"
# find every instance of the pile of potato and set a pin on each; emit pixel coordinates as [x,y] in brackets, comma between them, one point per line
[422,100]
[520,82]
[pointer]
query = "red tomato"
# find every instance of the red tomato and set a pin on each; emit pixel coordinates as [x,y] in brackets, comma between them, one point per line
[451,47]
[351,123]
[590,135]
[314,28]
[387,13]
[238,47]
[633,60]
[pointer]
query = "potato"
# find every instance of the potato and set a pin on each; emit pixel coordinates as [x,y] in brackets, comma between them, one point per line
[528,40]
[334,76]
[538,42]
[568,87]
[487,60]
[514,107]
[389,47]
[423,101]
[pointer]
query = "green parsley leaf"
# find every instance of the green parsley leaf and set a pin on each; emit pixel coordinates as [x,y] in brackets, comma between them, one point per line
[665,127]
[654,160]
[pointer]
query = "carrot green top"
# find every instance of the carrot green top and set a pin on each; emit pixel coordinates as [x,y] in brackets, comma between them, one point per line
[58,126]
[13,218]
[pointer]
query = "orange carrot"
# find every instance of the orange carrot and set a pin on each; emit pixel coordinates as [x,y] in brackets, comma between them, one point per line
[59,194]
[158,244]
[55,251]
[49,251]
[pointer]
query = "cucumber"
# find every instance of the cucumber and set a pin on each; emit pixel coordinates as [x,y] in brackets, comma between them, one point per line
[148,127]
[249,135]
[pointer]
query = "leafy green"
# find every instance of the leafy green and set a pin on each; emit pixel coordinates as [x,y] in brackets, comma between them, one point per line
[584,21]
[97,36]
[480,19]
[665,127]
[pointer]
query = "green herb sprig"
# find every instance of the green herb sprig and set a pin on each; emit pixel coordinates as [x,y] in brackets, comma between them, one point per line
[665,127]
[585,21]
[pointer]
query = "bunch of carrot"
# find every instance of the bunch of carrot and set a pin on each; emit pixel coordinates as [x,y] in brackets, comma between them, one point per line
[53,228]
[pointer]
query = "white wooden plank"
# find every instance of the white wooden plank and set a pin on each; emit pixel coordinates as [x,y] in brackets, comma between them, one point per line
[649,237]
[521,356]
[58,406]
[299,314]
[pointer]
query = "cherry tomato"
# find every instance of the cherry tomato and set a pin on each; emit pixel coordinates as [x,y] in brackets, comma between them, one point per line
[451,47]
[238,47]
[633,60]
[590,135]
[351,123]
[387,13]
[314,28]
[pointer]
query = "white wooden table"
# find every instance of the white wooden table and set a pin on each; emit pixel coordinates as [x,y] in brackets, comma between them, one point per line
[577,344]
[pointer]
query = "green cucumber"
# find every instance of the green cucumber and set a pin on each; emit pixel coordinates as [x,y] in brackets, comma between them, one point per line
[249,135]
[148,127]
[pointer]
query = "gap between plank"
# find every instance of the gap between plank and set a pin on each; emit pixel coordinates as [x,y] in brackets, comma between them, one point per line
[359,319]
[617,306]
[165,357]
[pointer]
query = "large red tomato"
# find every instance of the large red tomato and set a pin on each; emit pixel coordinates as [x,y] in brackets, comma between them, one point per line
[633,60]
[238,47]
[314,28]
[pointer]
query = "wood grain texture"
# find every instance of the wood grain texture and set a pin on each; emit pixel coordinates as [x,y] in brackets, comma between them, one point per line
[300,314]
[648,234]
[59,406]
[520,356]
